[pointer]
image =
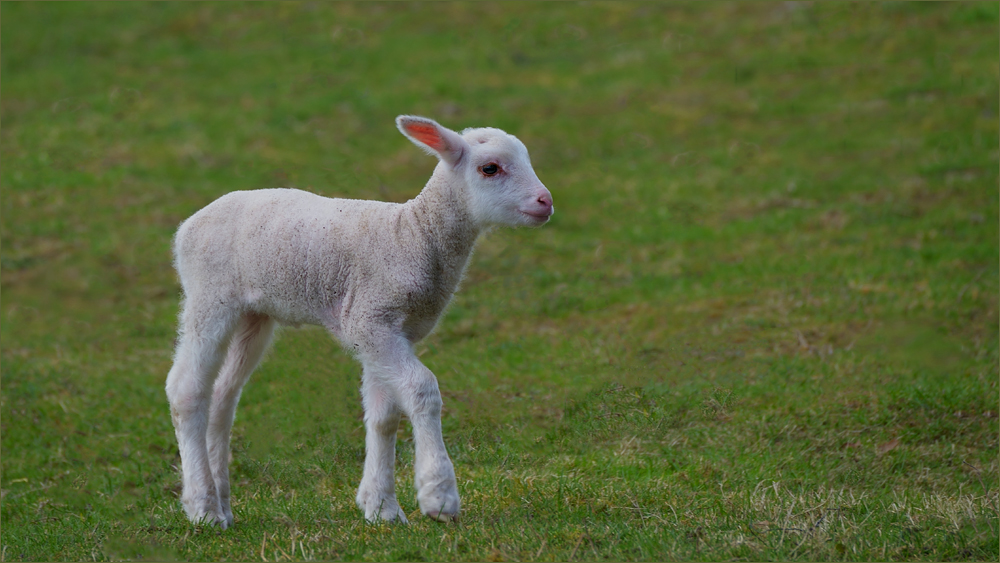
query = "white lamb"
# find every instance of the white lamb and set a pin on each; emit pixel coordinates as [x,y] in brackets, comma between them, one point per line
[377,275]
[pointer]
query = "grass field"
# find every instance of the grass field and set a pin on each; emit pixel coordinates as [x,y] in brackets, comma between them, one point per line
[763,323]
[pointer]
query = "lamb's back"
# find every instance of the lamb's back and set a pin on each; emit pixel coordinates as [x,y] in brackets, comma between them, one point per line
[285,252]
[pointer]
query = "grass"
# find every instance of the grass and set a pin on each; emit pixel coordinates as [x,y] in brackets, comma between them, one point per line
[762,325]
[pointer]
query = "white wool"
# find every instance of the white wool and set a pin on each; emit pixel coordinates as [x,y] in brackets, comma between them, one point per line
[377,275]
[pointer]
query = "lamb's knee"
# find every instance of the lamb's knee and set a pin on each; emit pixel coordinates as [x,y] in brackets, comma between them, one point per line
[187,396]
[381,413]
[183,409]
[385,425]
[422,398]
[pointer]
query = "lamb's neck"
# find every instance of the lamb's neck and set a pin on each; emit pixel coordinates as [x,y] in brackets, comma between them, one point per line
[442,214]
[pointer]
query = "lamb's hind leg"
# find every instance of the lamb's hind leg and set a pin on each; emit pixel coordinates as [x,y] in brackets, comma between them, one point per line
[250,340]
[204,336]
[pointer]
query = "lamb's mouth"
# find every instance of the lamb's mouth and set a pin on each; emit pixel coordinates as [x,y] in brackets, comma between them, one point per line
[542,217]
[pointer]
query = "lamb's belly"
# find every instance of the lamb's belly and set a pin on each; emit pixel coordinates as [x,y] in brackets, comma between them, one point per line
[296,312]
[286,315]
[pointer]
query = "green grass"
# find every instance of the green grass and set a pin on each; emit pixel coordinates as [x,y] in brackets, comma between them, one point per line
[763,323]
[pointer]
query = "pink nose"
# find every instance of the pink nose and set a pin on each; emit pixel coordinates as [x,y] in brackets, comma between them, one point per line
[545,200]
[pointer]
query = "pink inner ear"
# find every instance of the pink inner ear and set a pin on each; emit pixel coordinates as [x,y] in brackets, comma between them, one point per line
[426,134]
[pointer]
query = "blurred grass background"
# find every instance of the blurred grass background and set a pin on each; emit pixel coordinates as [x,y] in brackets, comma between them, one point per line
[773,267]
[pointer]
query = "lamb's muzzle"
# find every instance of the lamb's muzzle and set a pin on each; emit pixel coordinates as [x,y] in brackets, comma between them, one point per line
[543,208]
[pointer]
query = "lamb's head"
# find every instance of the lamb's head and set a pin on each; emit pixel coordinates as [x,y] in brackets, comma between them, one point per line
[494,168]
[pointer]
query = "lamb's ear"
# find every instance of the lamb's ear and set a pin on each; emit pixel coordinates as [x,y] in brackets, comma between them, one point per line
[440,141]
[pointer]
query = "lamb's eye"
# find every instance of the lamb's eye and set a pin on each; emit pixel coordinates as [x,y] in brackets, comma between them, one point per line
[490,169]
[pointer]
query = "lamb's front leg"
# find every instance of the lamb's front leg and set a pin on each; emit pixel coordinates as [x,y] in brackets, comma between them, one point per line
[418,394]
[391,365]
[377,493]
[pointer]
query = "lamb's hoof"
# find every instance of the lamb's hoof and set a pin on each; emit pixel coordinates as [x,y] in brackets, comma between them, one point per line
[390,514]
[218,519]
[227,513]
[442,516]
[442,506]
[381,509]
[206,511]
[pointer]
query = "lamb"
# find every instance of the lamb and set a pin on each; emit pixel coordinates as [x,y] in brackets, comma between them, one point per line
[377,275]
